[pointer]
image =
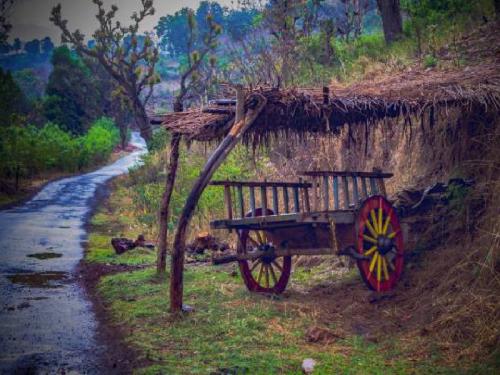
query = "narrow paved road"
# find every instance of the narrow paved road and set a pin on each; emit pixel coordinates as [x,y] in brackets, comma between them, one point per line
[46,322]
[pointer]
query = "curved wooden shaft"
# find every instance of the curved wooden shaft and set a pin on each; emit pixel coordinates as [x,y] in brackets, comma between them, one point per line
[255,105]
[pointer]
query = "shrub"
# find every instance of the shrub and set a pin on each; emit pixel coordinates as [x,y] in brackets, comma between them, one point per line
[98,143]
[27,151]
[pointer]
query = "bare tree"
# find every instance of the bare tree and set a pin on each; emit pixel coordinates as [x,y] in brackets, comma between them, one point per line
[190,78]
[281,19]
[128,58]
[392,23]
[190,83]
[5,26]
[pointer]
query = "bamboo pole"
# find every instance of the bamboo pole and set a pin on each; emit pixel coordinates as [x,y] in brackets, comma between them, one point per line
[255,105]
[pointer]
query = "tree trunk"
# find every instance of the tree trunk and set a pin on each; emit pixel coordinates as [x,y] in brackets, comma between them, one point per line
[123,126]
[161,259]
[218,156]
[327,30]
[391,19]
[142,120]
[358,17]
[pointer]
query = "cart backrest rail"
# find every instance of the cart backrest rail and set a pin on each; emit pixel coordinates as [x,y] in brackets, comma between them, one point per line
[329,190]
[241,197]
[344,190]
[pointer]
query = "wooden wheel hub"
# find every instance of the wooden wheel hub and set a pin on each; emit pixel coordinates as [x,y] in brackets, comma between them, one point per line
[268,273]
[380,242]
[384,244]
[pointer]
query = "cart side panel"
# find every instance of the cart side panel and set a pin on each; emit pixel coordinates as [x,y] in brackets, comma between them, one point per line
[319,236]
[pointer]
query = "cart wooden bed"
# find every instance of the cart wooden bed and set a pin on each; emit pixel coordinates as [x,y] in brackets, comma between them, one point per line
[325,212]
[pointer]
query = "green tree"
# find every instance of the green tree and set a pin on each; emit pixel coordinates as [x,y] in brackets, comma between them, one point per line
[131,66]
[12,99]
[392,22]
[31,84]
[72,98]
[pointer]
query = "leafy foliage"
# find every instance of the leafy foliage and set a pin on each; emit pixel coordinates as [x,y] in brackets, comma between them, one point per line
[27,151]
[73,98]
[129,59]
[12,99]
[147,182]
[30,83]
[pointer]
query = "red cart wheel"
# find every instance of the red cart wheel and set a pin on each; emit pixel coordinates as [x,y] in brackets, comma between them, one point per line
[267,274]
[380,239]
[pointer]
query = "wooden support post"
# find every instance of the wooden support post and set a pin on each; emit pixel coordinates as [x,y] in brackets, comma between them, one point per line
[240,199]
[316,203]
[355,190]
[336,192]
[346,193]
[276,205]
[228,202]
[296,199]
[252,200]
[306,199]
[255,106]
[326,195]
[263,200]
[373,186]
[161,256]
[326,95]
[365,189]
[286,199]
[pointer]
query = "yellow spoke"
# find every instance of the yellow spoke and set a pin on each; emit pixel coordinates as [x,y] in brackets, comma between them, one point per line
[254,265]
[379,268]
[260,273]
[386,224]
[267,276]
[278,266]
[370,250]
[370,228]
[255,243]
[374,220]
[372,263]
[370,239]
[260,237]
[273,275]
[384,267]
[380,223]
[393,234]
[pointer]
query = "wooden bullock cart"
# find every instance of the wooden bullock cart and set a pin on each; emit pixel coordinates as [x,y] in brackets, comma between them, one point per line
[324,213]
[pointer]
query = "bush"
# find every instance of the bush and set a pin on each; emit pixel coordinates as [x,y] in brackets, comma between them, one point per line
[27,151]
[98,143]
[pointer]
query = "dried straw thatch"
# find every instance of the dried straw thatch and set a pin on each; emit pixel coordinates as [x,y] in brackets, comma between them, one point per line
[409,95]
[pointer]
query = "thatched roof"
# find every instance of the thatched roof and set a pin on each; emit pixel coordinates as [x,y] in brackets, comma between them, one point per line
[301,111]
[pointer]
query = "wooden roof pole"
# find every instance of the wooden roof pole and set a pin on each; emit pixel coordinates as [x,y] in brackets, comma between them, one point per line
[161,256]
[255,105]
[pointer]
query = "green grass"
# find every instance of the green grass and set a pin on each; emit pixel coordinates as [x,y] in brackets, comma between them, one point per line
[230,329]
[100,250]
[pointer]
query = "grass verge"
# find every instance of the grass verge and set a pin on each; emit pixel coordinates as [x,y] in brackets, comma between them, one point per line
[234,332]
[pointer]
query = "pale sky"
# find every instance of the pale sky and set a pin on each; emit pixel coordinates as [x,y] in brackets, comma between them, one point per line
[30,18]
